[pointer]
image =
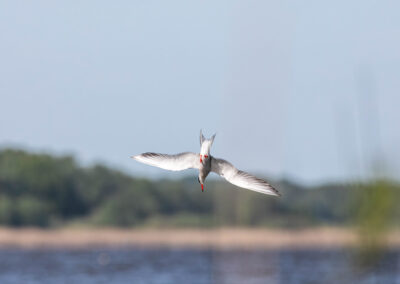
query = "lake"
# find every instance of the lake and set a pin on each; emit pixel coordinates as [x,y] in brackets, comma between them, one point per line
[138,265]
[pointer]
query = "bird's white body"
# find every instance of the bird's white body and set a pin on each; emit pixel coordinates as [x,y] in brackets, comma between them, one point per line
[206,163]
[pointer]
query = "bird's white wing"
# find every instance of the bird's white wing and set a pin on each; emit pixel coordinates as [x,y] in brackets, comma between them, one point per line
[176,162]
[240,178]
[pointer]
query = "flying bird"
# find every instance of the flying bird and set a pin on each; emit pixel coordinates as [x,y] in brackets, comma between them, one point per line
[206,163]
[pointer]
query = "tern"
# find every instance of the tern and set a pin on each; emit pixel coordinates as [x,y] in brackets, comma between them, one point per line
[206,163]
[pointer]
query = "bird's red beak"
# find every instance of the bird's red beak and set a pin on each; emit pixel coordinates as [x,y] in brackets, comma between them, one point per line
[201,159]
[202,187]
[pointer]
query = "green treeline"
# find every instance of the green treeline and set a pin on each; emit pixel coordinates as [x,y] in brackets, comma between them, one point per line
[45,190]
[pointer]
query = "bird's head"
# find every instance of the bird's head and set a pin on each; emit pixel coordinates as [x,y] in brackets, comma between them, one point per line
[205,147]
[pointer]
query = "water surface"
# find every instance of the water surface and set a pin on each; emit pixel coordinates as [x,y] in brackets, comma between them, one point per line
[138,265]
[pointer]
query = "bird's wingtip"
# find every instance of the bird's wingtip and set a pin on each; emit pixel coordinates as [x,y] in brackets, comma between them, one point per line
[275,192]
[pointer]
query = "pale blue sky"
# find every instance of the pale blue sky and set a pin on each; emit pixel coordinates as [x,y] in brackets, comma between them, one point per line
[308,90]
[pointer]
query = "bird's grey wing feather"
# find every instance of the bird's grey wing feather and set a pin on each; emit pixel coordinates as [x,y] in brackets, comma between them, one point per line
[241,178]
[176,162]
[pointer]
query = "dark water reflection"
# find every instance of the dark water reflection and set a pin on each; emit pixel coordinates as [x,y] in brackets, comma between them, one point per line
[191,266]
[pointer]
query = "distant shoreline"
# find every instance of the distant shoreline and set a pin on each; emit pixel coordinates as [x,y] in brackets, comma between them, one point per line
[223,238]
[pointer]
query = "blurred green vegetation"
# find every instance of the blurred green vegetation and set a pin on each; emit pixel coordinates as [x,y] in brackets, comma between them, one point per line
[47,191]
[377,205]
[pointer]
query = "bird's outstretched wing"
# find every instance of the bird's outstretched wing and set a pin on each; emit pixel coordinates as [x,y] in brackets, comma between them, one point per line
[176,162]
[240,178]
